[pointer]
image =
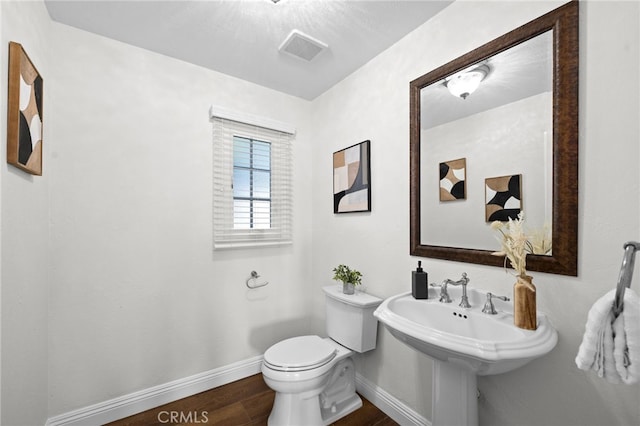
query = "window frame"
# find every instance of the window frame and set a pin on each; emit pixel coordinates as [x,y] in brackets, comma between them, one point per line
[281,136]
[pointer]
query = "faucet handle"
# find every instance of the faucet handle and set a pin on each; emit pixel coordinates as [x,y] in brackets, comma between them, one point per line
[444,294]
[489,308]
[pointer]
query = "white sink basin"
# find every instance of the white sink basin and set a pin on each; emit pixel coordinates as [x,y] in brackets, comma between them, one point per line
[484,344]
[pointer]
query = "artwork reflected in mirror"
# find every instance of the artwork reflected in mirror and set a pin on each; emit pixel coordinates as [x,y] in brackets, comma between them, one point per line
[509,108]
[453,180]
[503,197]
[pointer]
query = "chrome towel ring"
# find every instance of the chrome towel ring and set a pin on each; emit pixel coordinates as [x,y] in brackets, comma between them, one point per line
[252,281]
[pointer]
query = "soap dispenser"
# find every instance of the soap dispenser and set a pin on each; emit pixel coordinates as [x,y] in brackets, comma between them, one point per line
[419,286]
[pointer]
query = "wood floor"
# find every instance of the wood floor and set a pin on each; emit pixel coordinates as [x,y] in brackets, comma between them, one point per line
[246,402]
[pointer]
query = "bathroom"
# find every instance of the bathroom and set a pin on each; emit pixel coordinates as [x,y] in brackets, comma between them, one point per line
[109,281]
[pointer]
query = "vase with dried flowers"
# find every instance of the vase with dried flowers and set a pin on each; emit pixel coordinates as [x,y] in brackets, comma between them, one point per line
[515,247]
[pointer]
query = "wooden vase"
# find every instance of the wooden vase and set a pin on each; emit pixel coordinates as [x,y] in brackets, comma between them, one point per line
[524,303]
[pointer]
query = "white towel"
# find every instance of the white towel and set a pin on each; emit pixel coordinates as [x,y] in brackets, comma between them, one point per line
[611,347]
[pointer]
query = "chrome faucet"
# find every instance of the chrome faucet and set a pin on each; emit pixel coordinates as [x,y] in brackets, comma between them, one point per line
[464,303]
[488,305]
[444,295]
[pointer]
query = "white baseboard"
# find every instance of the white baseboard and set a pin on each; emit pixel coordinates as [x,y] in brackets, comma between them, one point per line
[147,399]
[389,404]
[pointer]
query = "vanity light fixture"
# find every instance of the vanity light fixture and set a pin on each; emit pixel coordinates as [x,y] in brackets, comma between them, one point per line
[464,83]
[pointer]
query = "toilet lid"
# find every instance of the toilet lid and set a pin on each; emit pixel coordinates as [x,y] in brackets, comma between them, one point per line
[299,353]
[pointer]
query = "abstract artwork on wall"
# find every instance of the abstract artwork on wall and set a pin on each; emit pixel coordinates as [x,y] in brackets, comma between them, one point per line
[352,179]
[503,197]
[24,112]
[453,178]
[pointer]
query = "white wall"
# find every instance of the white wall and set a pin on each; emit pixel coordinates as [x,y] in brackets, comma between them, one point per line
[24,240]
[373,104]
[138,296]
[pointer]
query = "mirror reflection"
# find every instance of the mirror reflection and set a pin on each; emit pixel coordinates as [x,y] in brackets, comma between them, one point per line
[486,146]
[495,132]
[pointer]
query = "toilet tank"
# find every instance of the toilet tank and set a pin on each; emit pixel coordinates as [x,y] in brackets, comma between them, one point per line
[350,319]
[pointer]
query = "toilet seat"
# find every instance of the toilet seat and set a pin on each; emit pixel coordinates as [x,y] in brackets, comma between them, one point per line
[301,353]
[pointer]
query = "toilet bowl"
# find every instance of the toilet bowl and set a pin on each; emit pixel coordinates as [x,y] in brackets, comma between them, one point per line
[306,372]
[314,377]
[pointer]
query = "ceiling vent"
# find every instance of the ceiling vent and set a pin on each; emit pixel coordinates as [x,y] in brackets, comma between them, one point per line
[302,46]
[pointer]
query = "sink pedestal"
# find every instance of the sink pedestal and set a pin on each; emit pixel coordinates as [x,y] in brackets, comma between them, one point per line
[455,395]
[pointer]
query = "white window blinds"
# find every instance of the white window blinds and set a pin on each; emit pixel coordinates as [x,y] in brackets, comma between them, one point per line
[252,200]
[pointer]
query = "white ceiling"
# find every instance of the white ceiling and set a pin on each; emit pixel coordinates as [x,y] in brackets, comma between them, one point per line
[241,37]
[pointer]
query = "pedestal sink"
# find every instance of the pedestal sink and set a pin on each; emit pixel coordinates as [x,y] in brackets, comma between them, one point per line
[463,343]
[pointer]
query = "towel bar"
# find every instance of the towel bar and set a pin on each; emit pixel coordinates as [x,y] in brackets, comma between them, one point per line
[626,273]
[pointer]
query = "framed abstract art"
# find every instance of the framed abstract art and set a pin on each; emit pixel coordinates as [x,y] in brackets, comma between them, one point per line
[352,179]
[503,196]
[453,178]
[24,112]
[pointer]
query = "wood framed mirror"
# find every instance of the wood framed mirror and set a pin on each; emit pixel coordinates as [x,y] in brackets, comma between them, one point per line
[549,191]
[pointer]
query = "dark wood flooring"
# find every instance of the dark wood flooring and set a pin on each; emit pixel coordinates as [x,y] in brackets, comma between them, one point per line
[246,402]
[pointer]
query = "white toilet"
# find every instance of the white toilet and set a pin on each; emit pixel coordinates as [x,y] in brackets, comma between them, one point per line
[314,378]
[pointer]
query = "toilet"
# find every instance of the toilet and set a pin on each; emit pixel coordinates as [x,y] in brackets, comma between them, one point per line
[314,378]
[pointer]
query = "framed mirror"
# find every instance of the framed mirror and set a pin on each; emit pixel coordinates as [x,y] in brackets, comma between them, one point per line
[511,137]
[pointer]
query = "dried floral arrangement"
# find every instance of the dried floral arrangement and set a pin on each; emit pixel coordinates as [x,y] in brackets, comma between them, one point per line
[516,243]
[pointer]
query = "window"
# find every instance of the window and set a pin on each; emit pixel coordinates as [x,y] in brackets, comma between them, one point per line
[252,202]
[251,183]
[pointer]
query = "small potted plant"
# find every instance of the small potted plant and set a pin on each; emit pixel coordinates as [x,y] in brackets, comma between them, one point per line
[350,278]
